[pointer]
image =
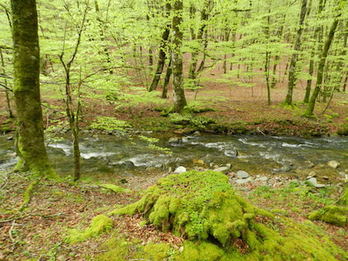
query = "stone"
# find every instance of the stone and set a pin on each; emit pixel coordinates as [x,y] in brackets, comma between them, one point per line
[241,174]
[10,138]
[231,153]
[175,140]
[196,133]
[333,164]
[312,174]
[313,182]
[243,181]
[180,170]
[198,162]
[222,169]
[263,179]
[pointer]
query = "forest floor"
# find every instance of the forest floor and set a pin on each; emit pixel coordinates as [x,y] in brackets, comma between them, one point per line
[232,110]
[39,232]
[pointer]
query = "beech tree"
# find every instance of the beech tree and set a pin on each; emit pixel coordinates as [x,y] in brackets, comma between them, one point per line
[179,94]
[30,135]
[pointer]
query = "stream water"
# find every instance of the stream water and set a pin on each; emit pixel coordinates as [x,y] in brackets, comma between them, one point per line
[255,154]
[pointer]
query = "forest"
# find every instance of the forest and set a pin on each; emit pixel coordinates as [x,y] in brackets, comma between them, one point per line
[179,130]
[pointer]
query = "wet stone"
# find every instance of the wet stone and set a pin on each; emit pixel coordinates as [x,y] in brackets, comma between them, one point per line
[241,174]
[180,170]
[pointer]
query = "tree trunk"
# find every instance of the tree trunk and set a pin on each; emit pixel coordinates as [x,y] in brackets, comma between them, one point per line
[179,94]
[321,66]
[203,42]
[167,79]
[162,53]
[318,39]
[294,58]
[7,92]
[30,135]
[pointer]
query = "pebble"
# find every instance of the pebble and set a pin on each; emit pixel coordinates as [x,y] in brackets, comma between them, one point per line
[222,169]
[241,174]
[243,181]
[180,170]
[313,181]
[333,164]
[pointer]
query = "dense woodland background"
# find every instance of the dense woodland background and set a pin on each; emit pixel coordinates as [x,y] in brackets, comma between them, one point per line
[159,78]
[124,47]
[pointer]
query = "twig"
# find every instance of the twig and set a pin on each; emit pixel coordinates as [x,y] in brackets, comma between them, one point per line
[10,231]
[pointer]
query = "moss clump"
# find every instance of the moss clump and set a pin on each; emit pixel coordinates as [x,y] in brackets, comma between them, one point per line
[334,214]
[118,248]
[343,130]
[99,225]
[203,208]
[115,188]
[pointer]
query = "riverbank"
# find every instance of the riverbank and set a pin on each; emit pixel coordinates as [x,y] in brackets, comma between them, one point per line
[226,113]
[40,231]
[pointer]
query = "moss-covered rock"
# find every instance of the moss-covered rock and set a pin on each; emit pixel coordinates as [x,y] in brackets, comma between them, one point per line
[334,214]
[203,208]
[115,188]
[99,225]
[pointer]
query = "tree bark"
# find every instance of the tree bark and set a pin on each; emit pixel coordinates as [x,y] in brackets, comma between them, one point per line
[321,66]
[179,94]
[30,135]
[294,58]
[162,53]
[167,79]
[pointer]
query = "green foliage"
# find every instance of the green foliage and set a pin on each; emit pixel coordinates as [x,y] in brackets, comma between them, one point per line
[202,207]
[99,225]
[109,124]
[343,130]
[199,122]
[115,188]
[152,144]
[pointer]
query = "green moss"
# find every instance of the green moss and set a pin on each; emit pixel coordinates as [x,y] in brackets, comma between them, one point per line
[157,252]
[337,215]
[115,188]
[109,124]
[334,214]
[203,208]
[27,195]
[203,251]
[343,130]
[116,249]
[99,225]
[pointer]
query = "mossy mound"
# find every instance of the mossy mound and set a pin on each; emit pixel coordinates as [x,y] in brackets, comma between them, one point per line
[334,214]
[203,208]
[99,225]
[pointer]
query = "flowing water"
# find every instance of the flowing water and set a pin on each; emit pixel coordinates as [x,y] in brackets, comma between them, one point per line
[255,154]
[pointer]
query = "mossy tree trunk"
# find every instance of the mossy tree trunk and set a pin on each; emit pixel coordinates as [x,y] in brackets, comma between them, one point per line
[295,55]
[179,94]
[162,52]
[167,79]
[200,38]
[30,136]
[321,67]
[73,106]
[7,91]
[318,35]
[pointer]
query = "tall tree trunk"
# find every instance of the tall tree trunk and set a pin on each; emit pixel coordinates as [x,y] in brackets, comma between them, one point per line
[294,58]
[7,92]
[30,135]
[202,42]
[167,79]
[179,94]
[162,53]
[318,40]
[321,66]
